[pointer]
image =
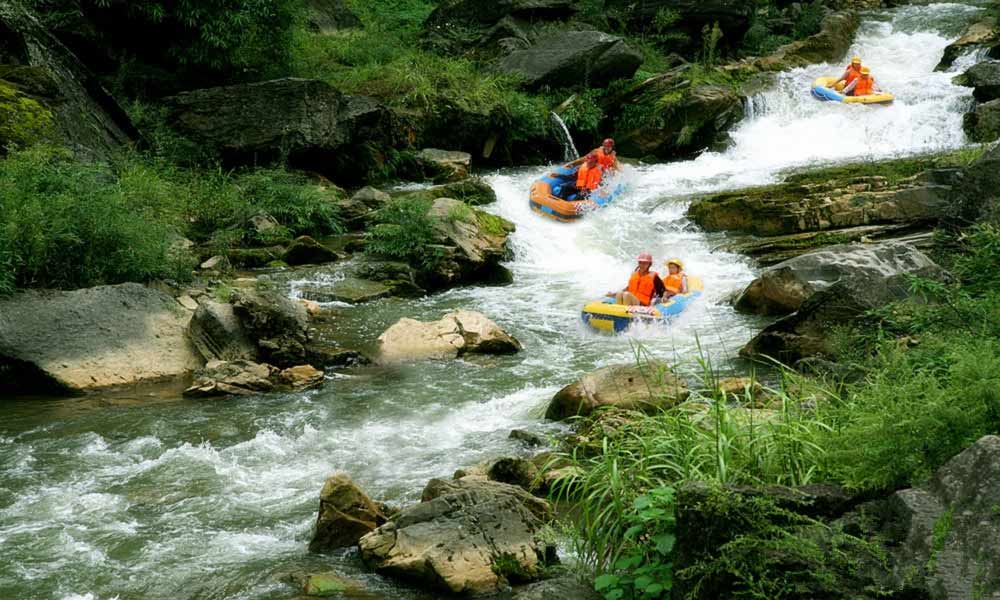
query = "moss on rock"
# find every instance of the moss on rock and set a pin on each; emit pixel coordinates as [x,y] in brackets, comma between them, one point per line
[23,119]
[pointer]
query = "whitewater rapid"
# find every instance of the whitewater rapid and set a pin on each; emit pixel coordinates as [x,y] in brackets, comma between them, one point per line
[131,496]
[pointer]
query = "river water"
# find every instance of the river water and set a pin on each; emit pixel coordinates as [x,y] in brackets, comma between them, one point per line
[152,496]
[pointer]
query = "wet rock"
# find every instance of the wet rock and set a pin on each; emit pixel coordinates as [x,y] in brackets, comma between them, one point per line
[830,44]
[456,334]
[323,356]
[307,120]
[739,388]
[983,124]
[569,57]
[326,584]
[651,387]
[345,515]
[529,438]
[466,537]
[349,289]
[445,165]
[218,335]
[276,323]
[232,378]
[254,258]
[304,250]
[984,78]
[359,210]
[977,35]
[96,338]
[804,332]
[781,289]
[216,263]
[299,377]
[473,191]
[515,471]
[560,588]
[473,244]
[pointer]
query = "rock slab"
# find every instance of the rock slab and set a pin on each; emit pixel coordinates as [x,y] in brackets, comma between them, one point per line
[651,386]
[345,515]
[572,57]
[456,334]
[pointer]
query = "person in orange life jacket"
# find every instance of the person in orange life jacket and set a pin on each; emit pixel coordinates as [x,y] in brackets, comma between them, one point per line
[643,285]
[676,282]
[852,72]
[605,156]
[588,179]
[862,86]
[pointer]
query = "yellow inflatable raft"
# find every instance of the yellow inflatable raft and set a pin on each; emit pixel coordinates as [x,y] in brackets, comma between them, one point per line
[822,91]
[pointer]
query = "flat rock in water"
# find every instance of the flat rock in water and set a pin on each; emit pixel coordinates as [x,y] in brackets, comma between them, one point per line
[96,337]
[304,250]
[457,333]
[349,289]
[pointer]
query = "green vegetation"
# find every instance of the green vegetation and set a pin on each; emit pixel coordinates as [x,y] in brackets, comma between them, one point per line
[22,119]
[931,387]
[69,224]
[405,231]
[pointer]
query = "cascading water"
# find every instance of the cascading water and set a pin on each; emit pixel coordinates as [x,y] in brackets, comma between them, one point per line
[166,498]
[565,138]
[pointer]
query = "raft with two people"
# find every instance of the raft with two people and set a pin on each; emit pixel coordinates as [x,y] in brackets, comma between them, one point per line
[634,305]
[855,86]
[569,192]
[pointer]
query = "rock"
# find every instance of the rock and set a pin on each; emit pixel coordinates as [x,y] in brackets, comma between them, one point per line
[976,193]
[95,338]
[804,332]
[473,191]
[984,78]
[650,387]
[473,243]
[306,251]
[781,289]
[217,334]
[569,57]
[452,12]
[371,198]
[312,308]
[737,388]
[983,124]
[529,438]
[345,515]
[360,210]
[323,356]
[316,126]
[445,165]
[830,44]
[326,584]
[74,107]
[771,250]
[187,302]
[466,537]
[266,226]
[733,17]
[299,377]
[216,263]
[979,34]
[328,16]
[560,588]
[349,289]
[233,378]
[797,207]
[515,471]
[253,258]
[456,334]
[276,323]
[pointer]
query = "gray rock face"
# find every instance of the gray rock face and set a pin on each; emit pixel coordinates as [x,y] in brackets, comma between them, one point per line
[651,386]
[304,250]
[977,191]
[345,515]
[983,124]
[218,335]
[803,333]
[473,244]
[984,77]
[467,537]
[573,57]
[276,323]
[317,126]
[976,35]
[96,337]
[781,289]
[445,165]
[87,118]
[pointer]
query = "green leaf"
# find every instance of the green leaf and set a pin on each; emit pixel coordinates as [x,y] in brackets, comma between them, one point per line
[605,581]
[643,582]
[664,542]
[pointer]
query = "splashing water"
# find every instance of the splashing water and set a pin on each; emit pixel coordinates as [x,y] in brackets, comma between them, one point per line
[565,138]
[164,498]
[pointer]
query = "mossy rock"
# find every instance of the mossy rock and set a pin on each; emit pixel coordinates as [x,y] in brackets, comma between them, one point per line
[23,119]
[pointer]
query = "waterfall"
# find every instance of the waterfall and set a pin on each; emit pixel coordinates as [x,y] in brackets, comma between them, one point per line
[569,149]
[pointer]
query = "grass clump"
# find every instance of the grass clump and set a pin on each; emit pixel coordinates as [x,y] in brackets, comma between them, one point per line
[405,231]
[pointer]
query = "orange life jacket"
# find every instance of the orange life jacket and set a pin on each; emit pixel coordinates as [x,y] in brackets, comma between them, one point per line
[589,178]
[643,286]
[852,74]
[864,86]
[674,282]
[605,160]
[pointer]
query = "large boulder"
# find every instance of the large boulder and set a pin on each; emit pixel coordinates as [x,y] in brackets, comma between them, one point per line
[95,338]
[359,210]
[781,289]
[472,244]
[345,515]
[456,334]
[217,333]
[650,386]
[277,324]
[304,250]
[573,57]
[804,333]
[473,191]
[308,120]
[74,107]
[975,195]
[467,537]
[983,124]
[984,78]
[444,165]
[979,34]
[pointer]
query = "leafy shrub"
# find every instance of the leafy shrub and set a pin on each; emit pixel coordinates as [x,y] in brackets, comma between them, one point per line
[406,232]
[809,20]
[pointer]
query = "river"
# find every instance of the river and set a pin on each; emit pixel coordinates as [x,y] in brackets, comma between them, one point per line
[152,496]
